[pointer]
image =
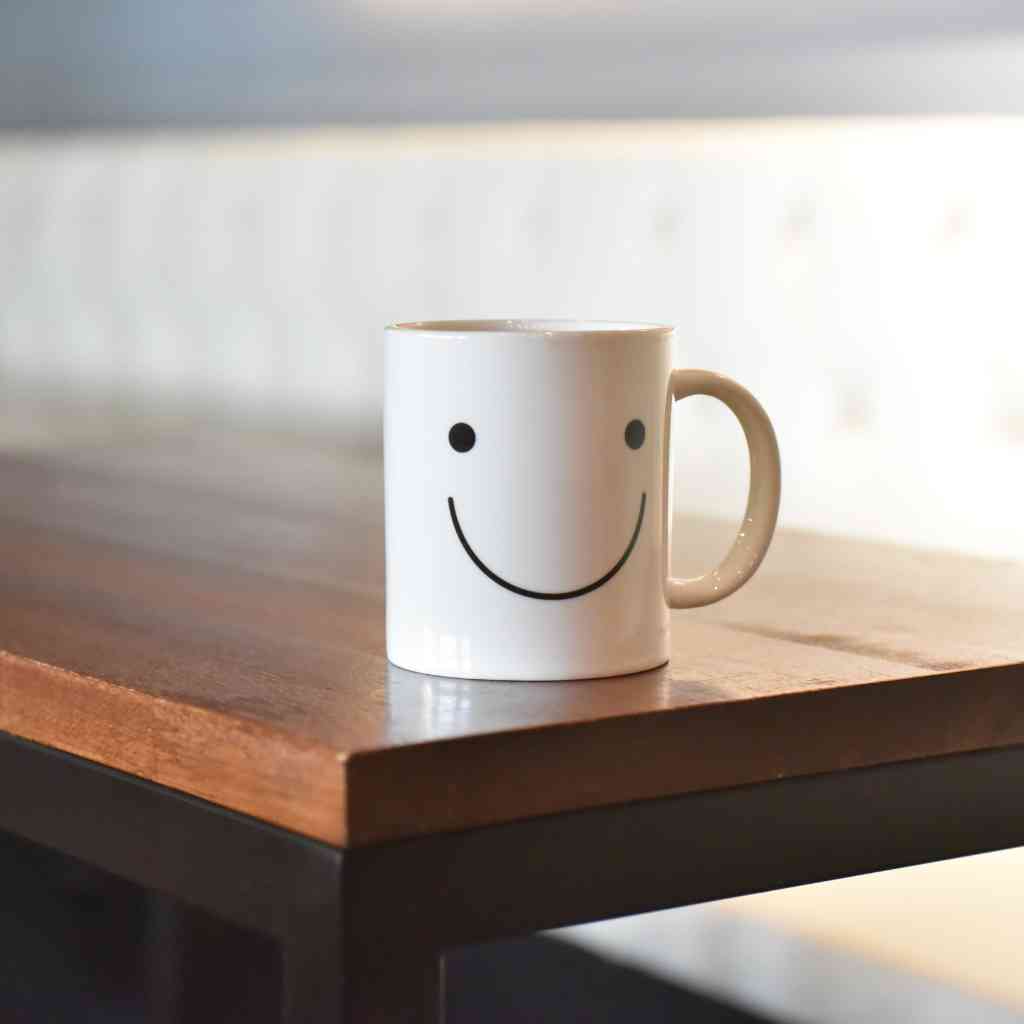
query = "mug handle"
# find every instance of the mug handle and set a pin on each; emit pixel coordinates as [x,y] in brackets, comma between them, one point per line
[755,533]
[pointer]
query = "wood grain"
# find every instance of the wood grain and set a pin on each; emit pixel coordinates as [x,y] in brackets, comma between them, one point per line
[206,611]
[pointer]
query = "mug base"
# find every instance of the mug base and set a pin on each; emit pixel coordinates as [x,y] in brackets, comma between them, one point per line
[526,676]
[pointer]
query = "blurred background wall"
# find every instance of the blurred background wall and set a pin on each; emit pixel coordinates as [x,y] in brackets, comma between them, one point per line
[215,207]
[862,277]
[117,63]
[220,204]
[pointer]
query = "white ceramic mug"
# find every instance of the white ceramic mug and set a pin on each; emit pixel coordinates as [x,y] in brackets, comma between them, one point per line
[527,479]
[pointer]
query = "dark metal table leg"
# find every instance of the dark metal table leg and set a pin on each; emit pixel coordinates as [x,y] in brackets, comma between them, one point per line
[313,974]
[340,965]
[311,942]
[393,955]
[393,986]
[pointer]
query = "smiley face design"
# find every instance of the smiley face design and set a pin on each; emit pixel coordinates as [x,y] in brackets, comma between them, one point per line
[462,438]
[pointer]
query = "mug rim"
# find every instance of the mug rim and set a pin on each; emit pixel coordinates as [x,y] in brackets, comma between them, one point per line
[548,326]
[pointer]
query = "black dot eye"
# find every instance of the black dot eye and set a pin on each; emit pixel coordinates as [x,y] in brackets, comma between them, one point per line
[635,433]
[462,437]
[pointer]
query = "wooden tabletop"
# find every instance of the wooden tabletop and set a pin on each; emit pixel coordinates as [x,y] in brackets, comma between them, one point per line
[207,612]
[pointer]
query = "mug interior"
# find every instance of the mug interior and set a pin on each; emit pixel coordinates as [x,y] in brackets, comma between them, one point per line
[530,326]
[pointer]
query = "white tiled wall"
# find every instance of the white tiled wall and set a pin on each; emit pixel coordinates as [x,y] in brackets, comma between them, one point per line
[862,277]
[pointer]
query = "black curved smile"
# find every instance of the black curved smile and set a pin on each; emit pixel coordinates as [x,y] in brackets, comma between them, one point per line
[538,594]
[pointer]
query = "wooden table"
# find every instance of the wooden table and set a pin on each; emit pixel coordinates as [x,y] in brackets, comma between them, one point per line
[194,695]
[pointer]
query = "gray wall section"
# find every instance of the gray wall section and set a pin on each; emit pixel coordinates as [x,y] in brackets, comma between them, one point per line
[112,64]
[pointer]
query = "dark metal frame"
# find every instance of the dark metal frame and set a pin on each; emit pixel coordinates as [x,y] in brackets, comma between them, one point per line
[363,931]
